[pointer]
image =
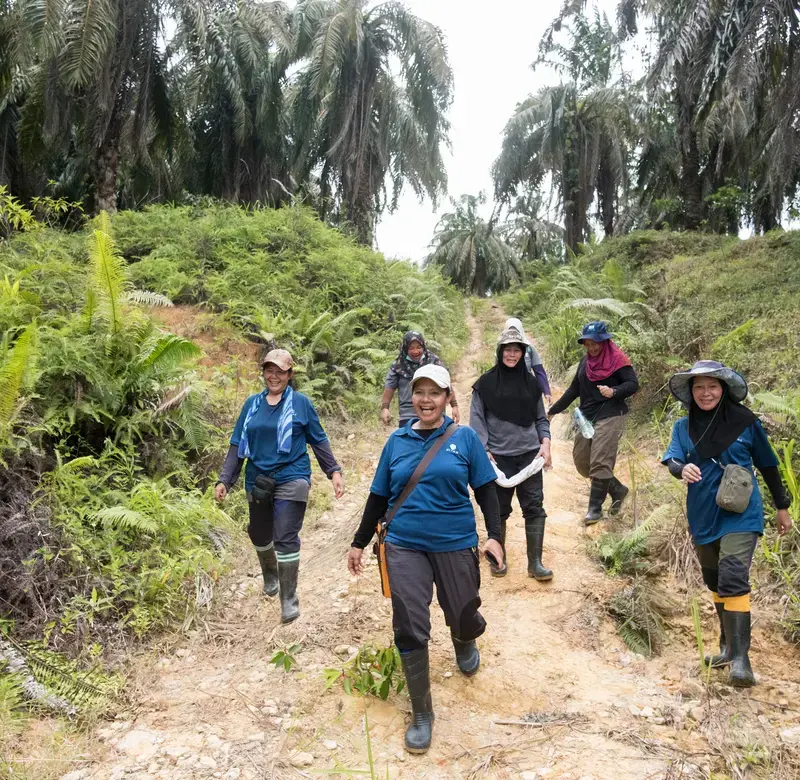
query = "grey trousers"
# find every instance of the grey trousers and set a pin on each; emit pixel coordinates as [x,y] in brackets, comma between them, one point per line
[597,457]
[412,575]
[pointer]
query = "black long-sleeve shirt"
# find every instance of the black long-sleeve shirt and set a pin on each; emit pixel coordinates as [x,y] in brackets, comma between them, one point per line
[376,507]
[594,406]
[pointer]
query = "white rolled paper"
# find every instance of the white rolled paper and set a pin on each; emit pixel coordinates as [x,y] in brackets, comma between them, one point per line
[528,471]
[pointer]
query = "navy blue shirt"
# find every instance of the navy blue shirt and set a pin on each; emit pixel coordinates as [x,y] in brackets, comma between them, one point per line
[262,436]
[438,515]
[707,521]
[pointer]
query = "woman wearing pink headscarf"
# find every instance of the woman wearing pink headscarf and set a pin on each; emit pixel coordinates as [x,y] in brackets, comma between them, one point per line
[603,382]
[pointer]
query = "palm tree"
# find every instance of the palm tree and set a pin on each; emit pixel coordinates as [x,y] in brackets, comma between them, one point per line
[580,140]
[367,130]
[475,258]
[530,234]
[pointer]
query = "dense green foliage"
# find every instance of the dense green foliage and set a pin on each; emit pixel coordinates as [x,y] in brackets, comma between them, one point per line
[109,427]
[704,136]
[340,102]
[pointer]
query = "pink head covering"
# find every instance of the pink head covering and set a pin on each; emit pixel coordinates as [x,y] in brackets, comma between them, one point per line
[610,359]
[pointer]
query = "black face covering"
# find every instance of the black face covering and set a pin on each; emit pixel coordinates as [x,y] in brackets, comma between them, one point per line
[715,430]
[512,394]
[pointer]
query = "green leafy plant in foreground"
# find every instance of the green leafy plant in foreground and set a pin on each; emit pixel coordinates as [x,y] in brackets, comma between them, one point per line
[375,671]
[286,657]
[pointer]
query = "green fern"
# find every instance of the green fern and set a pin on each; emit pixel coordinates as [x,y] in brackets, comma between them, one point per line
[124,517]
[640,612]
[625,554]
[108,280]
[12,712]
[14,371]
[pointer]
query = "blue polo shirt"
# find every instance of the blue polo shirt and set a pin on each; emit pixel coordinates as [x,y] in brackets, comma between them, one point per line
[262,435]
[438,515]
[707,521]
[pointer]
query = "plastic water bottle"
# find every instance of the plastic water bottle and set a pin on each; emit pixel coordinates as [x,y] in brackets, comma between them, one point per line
[585,428]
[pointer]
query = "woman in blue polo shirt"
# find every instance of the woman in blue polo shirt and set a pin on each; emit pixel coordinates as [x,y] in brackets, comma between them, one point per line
[432,539]
[272,434]
[717,432]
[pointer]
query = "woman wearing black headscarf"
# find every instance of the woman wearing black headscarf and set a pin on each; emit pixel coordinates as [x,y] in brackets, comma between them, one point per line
[720,432]
[508,415]
[413,355]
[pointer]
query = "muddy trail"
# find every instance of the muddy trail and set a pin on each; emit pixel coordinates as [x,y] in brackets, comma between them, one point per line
[558,694]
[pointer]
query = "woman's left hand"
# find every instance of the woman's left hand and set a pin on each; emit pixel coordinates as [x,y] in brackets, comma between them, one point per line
[455,414]
[493,546]
[784,522]
[605,391]
[545,453]
[338,483]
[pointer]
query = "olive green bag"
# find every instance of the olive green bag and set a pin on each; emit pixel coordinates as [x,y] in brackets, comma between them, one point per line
[733,494]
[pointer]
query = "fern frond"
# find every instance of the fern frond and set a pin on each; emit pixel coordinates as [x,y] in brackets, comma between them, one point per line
[147,298]
[14,372]
[108,277]
[124,517]
[169,351]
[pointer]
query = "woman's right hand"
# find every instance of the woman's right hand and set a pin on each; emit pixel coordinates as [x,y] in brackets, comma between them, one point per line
[691,474]
[220,491]
[386,417]
[355,562]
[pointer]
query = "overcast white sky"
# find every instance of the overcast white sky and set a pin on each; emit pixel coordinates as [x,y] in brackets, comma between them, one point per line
[491,47]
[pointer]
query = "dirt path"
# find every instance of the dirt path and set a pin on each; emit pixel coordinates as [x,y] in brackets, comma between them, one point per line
[214,706]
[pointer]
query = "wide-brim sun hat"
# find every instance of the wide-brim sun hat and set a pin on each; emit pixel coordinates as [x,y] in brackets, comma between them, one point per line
[280,358]
[437,374]
[512,335]
[680,384]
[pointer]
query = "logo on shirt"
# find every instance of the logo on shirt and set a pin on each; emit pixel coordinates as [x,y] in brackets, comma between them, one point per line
[452,448]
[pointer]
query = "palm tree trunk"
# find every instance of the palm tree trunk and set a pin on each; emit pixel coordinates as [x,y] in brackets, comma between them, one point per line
[691,184]
[105,177]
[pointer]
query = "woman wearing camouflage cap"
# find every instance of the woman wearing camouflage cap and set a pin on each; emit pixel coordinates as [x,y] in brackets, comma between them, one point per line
[272,434]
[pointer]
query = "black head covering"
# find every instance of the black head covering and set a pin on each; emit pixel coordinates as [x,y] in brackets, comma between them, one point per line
[404,365]
[512,394]
[713,431]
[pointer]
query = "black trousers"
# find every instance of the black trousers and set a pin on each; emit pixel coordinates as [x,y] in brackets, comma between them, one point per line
[530,493]
[280,524]
[412,575]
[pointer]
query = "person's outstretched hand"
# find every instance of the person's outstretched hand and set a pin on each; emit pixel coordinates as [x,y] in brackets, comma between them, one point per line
[784,521]
[355,561]
[338,483]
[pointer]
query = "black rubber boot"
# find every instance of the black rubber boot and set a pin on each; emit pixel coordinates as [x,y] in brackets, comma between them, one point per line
[501,571]
[418,682]
[618,493]
[722,659]
[534,536]
[737,635]
[468,657]
[287,579]
[596,498]
[269,570]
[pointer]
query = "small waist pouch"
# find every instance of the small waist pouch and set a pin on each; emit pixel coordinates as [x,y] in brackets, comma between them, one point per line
[735,489]
[263,490]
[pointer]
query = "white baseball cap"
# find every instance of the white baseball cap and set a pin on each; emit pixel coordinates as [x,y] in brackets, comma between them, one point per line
[438,374]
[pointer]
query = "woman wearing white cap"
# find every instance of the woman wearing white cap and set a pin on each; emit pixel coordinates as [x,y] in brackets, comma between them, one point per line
[272,434]
[713,450]
[431,537]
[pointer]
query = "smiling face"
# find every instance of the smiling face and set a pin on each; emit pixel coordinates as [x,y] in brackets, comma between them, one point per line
[429,401]
[415,350]
[706,391]
[276,379]
[593,348]
[512,354]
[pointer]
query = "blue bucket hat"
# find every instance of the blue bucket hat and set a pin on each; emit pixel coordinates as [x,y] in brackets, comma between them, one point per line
[680,384]
[596,331]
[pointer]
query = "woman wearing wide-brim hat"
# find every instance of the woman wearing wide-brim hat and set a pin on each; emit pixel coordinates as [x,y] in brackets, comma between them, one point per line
[272,434]
[603,382]
[720,432]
